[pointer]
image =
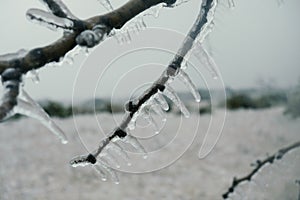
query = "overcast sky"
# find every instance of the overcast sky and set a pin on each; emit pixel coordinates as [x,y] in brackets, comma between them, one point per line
[258,40]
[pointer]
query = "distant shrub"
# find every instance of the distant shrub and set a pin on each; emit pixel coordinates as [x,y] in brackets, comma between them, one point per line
[293,102]
[205,110]
[57,109]
[239,101]
[246,102]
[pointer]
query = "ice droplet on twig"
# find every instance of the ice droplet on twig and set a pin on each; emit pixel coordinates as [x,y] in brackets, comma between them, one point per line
[171,94]
[189,84]
[204,58]
[162,101]
[27,106]
[49,20]
[106,4]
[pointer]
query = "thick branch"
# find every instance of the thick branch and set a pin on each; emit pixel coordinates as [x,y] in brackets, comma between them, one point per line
[259,164]
[38,57]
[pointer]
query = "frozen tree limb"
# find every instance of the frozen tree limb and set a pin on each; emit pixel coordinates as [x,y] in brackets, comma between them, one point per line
[38,57]
[134,107]
[258,165]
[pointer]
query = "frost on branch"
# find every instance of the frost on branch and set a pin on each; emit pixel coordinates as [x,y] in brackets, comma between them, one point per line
[152,99]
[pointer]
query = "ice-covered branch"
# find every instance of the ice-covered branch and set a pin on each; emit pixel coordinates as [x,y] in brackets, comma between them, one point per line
[260,164]
[86,33]
[38,57]
[156,93]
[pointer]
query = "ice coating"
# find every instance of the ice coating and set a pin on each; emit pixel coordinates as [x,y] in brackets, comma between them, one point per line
[207,28]
[189,84]
[101,172]
[171,94]
[33,75]
[49,20]
[27,106]
[158,110]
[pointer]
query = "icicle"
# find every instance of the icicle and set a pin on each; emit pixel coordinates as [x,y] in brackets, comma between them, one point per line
[106,4]
[190,85]
[158,110]
[171,94]
[62,7]
[27,106]
[33,75]
[162,101]
[110,171]
[114,147]
[147,116]
[203,57]
[231,4]
[110,159]
[49,20]
[100,171]
[135,144]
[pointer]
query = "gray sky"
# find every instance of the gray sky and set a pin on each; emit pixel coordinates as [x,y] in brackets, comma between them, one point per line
[258,40]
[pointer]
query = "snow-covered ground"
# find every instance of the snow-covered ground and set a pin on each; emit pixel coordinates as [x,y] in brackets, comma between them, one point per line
[34,165]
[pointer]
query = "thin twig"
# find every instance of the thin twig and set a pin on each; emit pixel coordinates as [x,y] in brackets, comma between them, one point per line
[259,164]
[158,86]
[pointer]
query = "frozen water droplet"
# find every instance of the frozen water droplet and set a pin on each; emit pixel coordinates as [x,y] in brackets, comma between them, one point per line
[49,20]
[162,101]
[171,94]
[189,84]
[27,106]
[204,58]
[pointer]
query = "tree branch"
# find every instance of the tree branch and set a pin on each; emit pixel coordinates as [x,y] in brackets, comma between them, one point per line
[133,107]
[259,164]
[38,57]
